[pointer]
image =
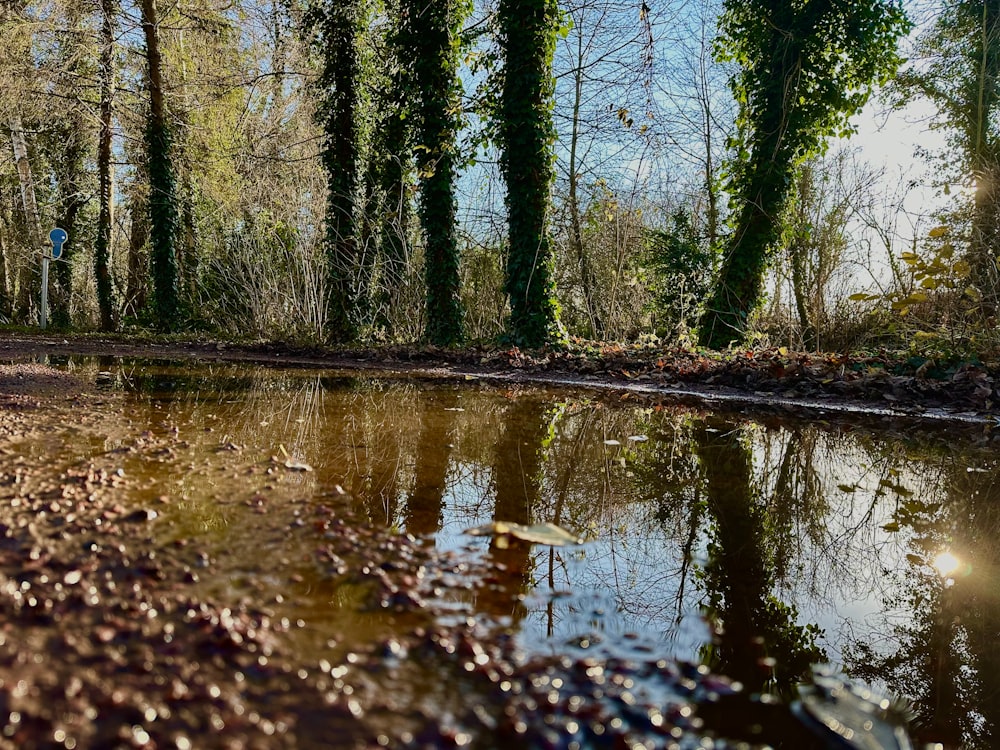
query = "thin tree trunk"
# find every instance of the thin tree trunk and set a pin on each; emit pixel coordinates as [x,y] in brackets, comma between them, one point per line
[71,201]
[576,232]
[5,306]
[138,265]
[105,169]
[27,270]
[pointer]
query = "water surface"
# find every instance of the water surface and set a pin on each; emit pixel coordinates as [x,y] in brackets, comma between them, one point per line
[755,547]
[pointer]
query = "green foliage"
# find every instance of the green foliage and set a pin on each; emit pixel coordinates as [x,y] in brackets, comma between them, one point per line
[681,267]
[804,69]
[528,30]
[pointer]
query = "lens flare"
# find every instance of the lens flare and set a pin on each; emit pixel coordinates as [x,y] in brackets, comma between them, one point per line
[946,563]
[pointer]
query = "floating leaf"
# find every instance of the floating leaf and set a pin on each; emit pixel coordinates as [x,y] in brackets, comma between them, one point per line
[611,442]
[915,559]
[891,526]
[847,487]
[293,464]
[940,231]
[638,438]
[540,533]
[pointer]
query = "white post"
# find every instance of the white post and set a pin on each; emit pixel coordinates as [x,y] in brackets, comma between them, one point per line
[44,313]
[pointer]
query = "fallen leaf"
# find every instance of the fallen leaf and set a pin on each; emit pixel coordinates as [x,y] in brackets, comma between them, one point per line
[541,533]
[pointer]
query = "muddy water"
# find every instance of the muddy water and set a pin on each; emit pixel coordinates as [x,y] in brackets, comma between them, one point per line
[755,548]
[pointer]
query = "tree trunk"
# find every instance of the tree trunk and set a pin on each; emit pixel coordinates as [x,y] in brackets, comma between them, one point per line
[5,305]
[394,152]
[163,210]
[432,32]
[340,160]
[528,28]
[738,289]
[105,169]
[799,283]
[71,200]
[27,270]
[138,265]
[985,240]
[985,160]
[587,281]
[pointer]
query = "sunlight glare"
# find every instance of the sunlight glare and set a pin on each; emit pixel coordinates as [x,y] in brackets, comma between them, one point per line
[946,563]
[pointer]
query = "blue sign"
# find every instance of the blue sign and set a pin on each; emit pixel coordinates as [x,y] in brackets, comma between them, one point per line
[58,237]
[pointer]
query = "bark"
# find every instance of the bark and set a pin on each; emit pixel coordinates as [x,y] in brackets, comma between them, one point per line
[587,280]
[105,169]
[5,306]
[985,160]
[799,283]
[136,287]
[27,271]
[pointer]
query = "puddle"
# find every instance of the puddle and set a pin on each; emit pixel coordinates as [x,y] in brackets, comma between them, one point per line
[754,549]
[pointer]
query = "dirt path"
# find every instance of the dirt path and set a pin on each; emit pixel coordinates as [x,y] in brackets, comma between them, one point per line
[880,388]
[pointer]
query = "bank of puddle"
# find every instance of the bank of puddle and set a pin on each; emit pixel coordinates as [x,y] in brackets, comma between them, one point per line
[721,556]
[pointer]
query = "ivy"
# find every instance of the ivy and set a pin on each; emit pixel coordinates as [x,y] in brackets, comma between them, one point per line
[334,27]
[163,226]
[804,69]
[431,36]
[528,30]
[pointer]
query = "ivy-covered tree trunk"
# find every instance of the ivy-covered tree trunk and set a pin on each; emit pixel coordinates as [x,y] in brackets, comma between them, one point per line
[71,200]
[759,226]
[431,39]
[805,68]
[337,23]
[526,133]
[105,168]
[163,211]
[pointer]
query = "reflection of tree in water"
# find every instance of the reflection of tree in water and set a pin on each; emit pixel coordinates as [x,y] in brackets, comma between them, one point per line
[739,576]
[796,504]
[517,475]
[946,657]
[425,503]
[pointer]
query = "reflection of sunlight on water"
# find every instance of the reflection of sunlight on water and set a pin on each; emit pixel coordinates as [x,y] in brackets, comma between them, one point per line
[946,563]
